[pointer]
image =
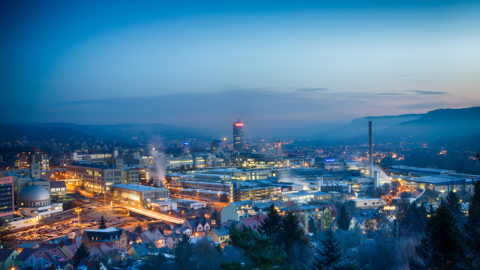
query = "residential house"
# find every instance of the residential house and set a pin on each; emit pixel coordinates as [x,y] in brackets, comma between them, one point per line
[69,250]
[220,235]
[7,258]
[332,208]
[21,260]
[176,236]
[94,237]
[141,251]
[57,254]
[26,245]
[237,210]
[199,226]
[102,250]
[369,220]
[39,258]
[154,236]
[135,238]
[252,222]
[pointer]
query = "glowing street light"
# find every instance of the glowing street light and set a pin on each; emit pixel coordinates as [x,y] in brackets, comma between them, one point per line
[78,211]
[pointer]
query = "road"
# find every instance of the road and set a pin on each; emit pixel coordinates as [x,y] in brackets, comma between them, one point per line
[152,214]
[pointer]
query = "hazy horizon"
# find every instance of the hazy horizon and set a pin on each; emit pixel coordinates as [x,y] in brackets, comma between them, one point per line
[276,65]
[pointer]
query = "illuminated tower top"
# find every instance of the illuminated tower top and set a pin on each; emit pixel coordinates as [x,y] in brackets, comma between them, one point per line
[238,136]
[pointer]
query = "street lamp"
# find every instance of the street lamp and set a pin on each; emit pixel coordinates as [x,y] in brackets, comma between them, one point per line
[78,211]
[35,226]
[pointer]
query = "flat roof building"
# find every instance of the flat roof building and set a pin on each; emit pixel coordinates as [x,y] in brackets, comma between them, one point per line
[139,195]
[96,177]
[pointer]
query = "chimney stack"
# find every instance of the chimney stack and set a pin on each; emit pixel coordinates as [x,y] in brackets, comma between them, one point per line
[319,183]
[370,150]
[375,179]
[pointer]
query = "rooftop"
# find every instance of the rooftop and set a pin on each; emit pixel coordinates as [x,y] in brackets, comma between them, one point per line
[440,180]
[138,187]
[420,170]
[91,165]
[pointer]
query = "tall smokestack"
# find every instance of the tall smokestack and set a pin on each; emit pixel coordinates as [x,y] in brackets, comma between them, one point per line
[370,150]
[319,183]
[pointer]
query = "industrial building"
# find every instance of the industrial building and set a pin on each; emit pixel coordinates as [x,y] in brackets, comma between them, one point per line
[139,195]
[164,206]
[369,203]
[202,194]
[416,172]
[443,183]
[189,204]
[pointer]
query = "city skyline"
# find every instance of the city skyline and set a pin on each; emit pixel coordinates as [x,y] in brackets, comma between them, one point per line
[277,65]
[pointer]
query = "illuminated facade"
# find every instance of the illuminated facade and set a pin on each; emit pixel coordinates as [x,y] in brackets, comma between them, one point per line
[238,136]
[96,178]
[139,195]
[35,201]
[6,197]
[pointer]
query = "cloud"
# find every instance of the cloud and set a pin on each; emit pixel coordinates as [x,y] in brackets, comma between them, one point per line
[424,92]
[311,89]
[390,94]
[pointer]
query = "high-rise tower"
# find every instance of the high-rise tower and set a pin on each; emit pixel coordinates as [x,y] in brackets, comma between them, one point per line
[238,136]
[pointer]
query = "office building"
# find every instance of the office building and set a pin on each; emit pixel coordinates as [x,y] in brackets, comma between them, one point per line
[6,197]
[96,178]
[238,136]
[130,176]
[216,147]
[186,148]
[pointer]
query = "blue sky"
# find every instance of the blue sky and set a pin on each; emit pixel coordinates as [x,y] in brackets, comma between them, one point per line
[201,63]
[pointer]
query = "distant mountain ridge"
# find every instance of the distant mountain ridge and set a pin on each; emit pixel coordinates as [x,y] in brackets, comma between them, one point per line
[436,124]
[359,126]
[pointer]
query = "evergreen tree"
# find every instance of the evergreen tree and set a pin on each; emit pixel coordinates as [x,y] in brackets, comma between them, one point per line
[139,229]
[312,227]
[291,233]
[270,225]
[103,224]
[158,261]
[345,265]
[343,219]
[330,253]
[183,253]
[260,249]
[472,227]
[453,203]
[443,245]
[82,253]
[413,220]
[217,217]
[151,227]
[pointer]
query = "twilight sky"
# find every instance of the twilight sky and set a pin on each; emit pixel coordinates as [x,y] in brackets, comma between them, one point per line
[202,63]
